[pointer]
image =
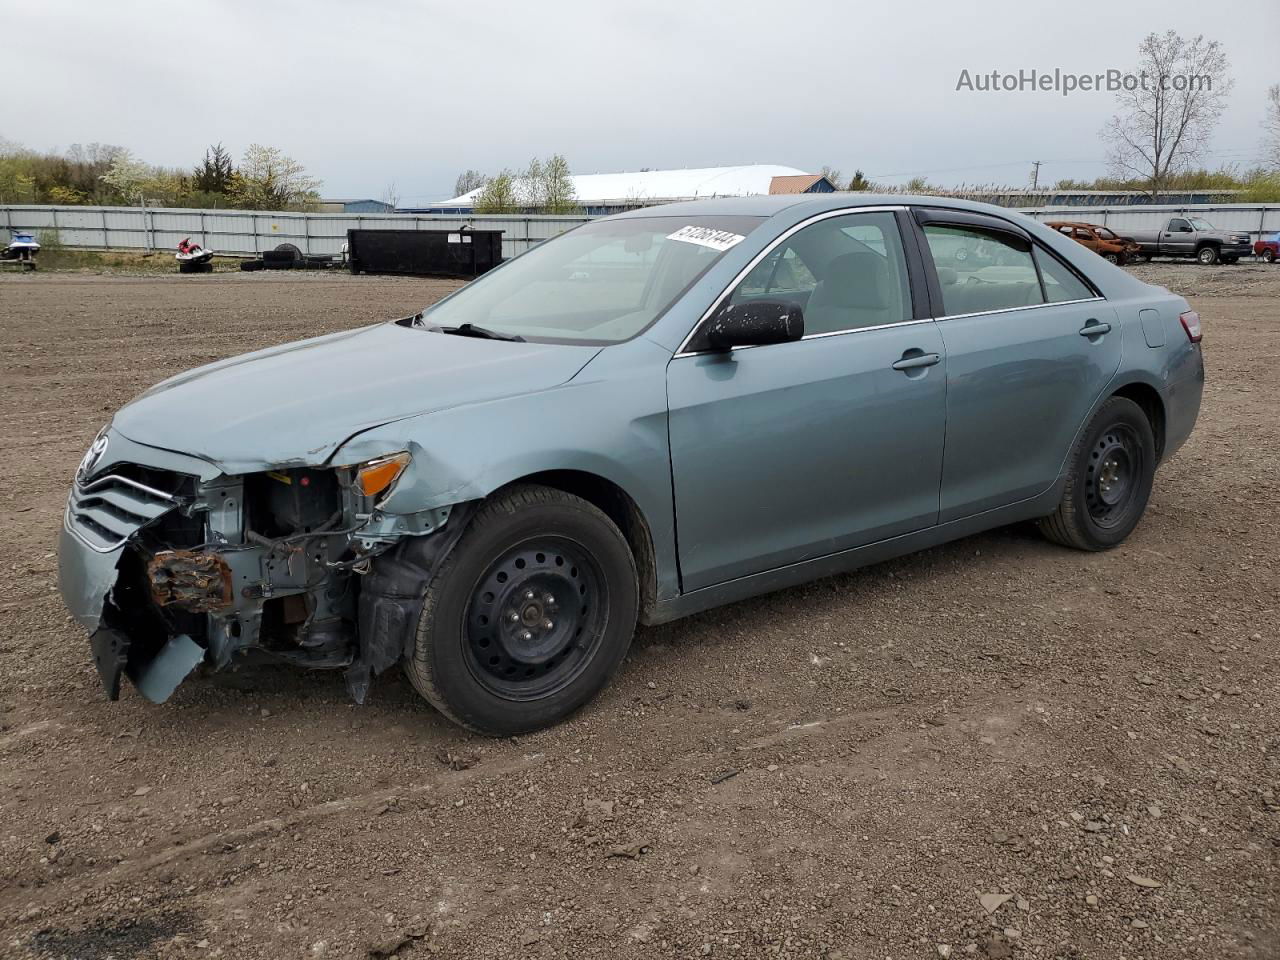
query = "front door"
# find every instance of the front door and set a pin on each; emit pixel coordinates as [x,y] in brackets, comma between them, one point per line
[793,451]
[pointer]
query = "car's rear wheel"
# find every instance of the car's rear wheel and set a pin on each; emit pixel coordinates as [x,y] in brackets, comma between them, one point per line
[529,616]
[1207,255]
[1111,258]
[1109,477]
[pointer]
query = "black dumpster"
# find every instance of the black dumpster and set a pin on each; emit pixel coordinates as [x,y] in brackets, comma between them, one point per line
[433,253]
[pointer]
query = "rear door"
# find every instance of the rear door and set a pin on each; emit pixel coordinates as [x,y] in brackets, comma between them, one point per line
[1030,346]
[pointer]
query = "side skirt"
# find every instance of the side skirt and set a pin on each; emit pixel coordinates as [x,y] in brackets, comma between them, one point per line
[797,573]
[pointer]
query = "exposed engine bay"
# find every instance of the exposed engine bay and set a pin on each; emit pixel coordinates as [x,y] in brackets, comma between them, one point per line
[279,561]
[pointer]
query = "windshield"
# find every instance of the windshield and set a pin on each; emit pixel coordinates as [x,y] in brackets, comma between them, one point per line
[1198,224]
[603,283]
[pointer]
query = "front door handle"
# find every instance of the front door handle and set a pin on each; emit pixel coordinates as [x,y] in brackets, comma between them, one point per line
[1094,329]
[914,359]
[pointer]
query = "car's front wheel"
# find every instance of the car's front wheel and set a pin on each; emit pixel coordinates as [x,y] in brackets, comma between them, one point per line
[1111,258]
[1207,255]
[529,616]
[1269,256]
[1109,477]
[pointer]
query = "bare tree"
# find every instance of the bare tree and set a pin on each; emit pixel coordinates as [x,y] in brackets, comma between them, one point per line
[391,195]
[832,174]
[1168,107]
[467,181]
[1271,130]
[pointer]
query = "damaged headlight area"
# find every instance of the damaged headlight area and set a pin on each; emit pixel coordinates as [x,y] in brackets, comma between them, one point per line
[168,570]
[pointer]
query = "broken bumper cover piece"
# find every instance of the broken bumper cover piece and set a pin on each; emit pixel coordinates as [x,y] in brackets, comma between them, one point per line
[157,678]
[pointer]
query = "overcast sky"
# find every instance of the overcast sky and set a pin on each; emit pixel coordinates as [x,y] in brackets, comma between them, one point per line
[366,94]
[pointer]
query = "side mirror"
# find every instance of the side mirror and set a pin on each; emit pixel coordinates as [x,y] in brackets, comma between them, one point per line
[756,323]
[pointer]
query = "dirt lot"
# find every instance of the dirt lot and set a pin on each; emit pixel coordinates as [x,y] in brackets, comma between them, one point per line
[850,769]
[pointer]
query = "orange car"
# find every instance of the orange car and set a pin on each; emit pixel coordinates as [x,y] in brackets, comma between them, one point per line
[1101,240]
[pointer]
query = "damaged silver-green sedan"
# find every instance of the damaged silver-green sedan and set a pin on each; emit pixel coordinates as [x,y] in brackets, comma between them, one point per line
[649,416]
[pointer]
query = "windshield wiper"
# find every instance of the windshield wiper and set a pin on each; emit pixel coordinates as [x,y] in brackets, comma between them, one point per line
[471,330]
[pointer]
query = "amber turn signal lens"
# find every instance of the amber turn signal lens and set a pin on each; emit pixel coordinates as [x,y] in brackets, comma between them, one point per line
[378,475]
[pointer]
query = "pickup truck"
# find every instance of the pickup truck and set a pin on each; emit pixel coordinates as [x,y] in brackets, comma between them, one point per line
[1192,237]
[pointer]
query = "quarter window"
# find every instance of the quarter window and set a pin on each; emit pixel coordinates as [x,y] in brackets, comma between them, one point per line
[1060,283]
[980,270]
[843,272]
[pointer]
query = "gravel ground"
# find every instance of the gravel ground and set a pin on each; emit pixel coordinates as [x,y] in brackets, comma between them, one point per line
[996,748]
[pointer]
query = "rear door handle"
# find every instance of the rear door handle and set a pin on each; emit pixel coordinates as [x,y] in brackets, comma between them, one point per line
[1094,329]
[917,361]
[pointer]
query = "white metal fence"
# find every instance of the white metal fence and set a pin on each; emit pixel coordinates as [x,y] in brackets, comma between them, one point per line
[251,231]
[1256,219]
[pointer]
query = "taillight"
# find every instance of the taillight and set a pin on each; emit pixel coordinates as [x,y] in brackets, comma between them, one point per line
[1191,323]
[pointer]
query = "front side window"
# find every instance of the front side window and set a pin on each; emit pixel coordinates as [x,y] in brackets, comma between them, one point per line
[1178,225]
[602,283]
[844,273]
[982,270]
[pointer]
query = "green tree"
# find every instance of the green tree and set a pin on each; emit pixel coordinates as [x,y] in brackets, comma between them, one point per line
[499,195]
[859,182]
[214,173]
[558,193]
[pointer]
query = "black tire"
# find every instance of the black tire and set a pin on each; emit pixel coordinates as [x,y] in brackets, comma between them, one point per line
[1207,255]
[523,553]
[1109,477]
[1112,258]
[1269,256]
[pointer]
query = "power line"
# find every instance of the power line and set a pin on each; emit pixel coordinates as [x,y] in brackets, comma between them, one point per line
[1231,152]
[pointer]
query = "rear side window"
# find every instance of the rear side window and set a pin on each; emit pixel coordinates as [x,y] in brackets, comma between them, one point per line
[981,270]
[1060,284]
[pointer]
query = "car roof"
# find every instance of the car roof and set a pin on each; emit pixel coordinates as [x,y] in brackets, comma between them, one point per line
[769,205]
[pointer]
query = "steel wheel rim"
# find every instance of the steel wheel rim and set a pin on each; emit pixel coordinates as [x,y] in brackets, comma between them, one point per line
[536,618]
[1113,476]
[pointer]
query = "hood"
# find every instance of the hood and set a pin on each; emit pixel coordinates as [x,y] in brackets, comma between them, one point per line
[293,405]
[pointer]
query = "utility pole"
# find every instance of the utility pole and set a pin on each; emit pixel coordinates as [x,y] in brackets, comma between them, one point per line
[1035,174]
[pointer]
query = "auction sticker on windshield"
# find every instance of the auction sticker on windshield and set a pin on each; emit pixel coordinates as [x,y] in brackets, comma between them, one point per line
[706,237]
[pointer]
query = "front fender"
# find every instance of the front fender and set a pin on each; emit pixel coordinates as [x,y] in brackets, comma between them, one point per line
[609,421]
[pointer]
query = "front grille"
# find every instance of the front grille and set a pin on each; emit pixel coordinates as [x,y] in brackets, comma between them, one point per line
[107,511]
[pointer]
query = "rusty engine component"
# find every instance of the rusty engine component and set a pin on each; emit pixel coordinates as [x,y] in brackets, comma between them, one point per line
[191,579]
